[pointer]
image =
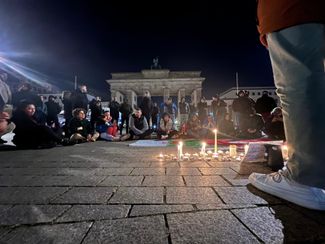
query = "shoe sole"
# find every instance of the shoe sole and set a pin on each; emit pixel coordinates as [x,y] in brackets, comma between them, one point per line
[275,192]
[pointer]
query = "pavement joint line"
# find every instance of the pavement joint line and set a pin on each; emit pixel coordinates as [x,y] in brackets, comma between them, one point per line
[142,180]
[213,189]
[91,225]
[225,179]
[128,214]
[64,212]
[195,207]
[131,171]
[169,238]
[251,231]
[183,178]
[165,195]
[104,178]
[113,193]
[59,195]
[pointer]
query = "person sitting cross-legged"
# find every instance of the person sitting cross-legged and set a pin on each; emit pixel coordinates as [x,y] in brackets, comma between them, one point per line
[80,128]
[166,128]
[107,128]
[139,128]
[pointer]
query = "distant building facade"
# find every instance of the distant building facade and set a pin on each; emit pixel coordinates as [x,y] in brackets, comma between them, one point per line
[158,82]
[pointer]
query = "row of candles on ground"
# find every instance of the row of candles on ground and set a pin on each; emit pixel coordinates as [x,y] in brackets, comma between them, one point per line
[207,154]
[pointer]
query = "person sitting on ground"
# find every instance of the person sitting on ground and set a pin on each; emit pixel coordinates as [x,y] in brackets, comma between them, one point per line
[29,134]
[194,128]
[106,128]
[253,125]
[80,128]
[226,126]
[139,128]
[166,128]
[209,123]
[274,127]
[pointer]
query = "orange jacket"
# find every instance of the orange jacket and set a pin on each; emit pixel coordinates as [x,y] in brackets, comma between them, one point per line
[274,15]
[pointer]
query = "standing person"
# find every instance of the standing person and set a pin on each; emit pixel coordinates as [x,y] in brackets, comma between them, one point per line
[154,116]
[170,108]
[79,98]
[53,109]
[242,106]
[95,107]
[202,107]
[184,110]
[125,111]
[67,106]
[294,32]
[139,128]
[146,106]
[114,108]
[221,107]
[214,106]
[265,104]
[25,93]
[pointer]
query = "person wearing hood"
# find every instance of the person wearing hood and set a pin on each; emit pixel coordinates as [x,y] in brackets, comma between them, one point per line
[265,104]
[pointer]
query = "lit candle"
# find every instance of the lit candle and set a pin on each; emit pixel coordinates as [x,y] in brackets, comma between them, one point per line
[246,148]
[215,140]
[285,153]
[203,148]
[180,151]
[161,156]
[232,150]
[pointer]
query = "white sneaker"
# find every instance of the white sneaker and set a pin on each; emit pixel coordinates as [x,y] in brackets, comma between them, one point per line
[281,185]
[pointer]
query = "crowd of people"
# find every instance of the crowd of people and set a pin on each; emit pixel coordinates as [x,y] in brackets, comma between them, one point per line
[36,125]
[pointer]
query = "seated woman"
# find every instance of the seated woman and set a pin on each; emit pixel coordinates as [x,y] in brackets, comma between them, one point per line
[29,134]
[194,128]
[80,128]
[226,126]
[166,130]
[274,127]
[106,128]
[209,123]
[253,125]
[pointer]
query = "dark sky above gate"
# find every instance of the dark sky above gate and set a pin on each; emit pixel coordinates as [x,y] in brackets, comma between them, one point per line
[93,38]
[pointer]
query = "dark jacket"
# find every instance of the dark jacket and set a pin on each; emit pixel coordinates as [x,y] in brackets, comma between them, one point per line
[79,100]
[29,133]
[114,109]
[242,105]
[96,109]
[146,106]
[29,96]
[53,108]
[254,122]
[138,125]
[82,127]
[125,109]
[265,104]
[184,108]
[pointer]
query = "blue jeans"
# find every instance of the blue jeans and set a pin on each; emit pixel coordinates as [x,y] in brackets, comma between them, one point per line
[297,56]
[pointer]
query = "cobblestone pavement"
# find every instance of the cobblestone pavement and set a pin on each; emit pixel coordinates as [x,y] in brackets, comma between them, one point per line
[111,193]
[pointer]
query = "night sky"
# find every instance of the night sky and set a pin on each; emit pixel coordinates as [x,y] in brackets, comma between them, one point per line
[94,38]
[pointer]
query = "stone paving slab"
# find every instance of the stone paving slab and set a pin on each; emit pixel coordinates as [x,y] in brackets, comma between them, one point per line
[60,233]
[148,171]
[94,212]
[122,181]
[141,210]
[142,230]
[163,180]
[214,180]
[83,195]
[280,224]
[138,195]
[217,171]
[183,171]
[215,206]
[208,227]
[113,171]
[36,195]
[32,214]
[60,180]
[191,195]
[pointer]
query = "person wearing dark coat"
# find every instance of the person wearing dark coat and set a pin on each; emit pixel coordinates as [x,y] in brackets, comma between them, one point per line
[79,98]
[146,107]
[242,107]
[253,125]
[226,126]
[25,94]
[95,107]
[114,108]
[202,107]
[125,111]
[67,106]
[53,109]
[274,127]
[80,128]
[154,116]
[265,104]
[29,134]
